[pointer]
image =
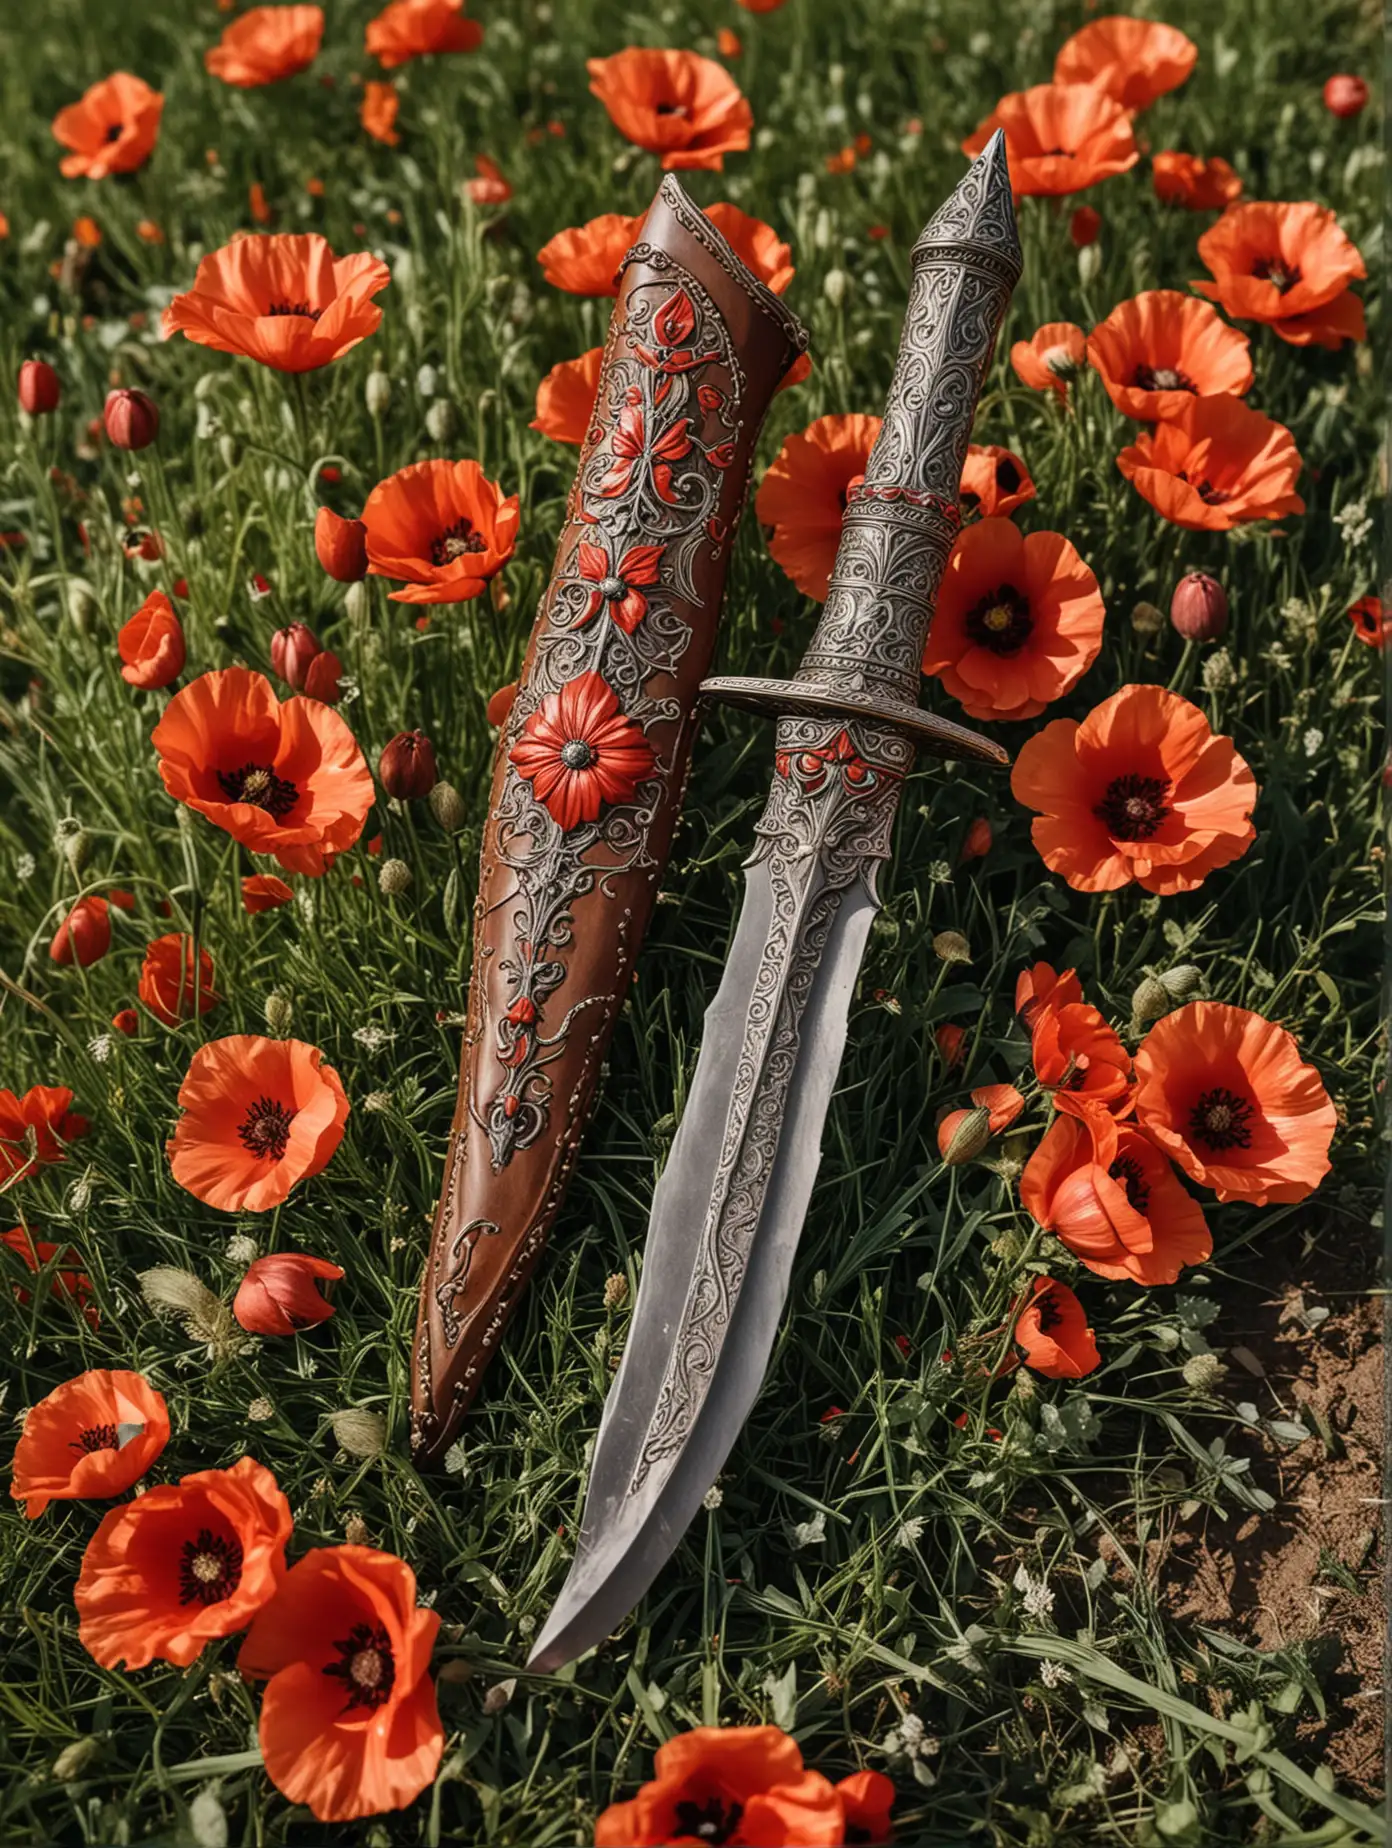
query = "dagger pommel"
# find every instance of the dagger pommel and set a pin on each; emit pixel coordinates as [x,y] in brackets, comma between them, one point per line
[902,519]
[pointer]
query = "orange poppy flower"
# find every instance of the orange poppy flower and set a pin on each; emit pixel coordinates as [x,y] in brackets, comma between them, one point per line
[283,779]
[181,1564]
[994,481]
[349,1723]
[757,245]
[171,985]
[584,259]
[1370,624]
[1215,465]
[736,1784]
[760,6]
[565,398]
[1018,621]
[686,109]
[1050,358]
[1141,792]
[1289,266]
[1134,60]
[442,527]
[112,130]
[490,187]
[151,645]
[284,300]
[36,1128]
[266,44]
[1042,986]
[1059,137]
[418,28]
[378,111]
[1080,1059]
[260,1115]
[84,936]
[803,496]
[1199,185]
[69,1282]
[264,892]
[1052,1333]
[1162,348]
[867,1797]
[1114,1201]
[92,1438]
[578,751]
[1226,1094]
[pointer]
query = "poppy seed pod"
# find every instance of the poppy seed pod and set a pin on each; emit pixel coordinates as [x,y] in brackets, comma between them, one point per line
[447,806]
[341,546]
[394,878]
[1199,608]
[39,388]
[293,651]
[407,767]
[131,419]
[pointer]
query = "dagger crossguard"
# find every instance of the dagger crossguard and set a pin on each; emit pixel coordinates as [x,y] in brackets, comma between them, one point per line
[901,521]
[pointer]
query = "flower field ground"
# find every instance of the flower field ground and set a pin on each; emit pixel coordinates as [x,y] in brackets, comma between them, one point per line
[1128,1591]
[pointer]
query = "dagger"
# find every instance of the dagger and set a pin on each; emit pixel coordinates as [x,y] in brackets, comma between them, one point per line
[729,1208]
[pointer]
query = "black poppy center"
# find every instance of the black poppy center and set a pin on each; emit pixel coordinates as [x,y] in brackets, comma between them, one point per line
[711,1821]
[1222,1120]
[1001,621]
[116,130]
[576,754]
[1162,378]
[302,309]
[210,1568]
[454,542]
[265,1129]
[1134,807]
[365,1666]
[260,787]
[1047,1309]
[96,1437]
[1008,477]
[1206,490]
[1067,153]
[672,109]
[1280,274]
[1129,1172]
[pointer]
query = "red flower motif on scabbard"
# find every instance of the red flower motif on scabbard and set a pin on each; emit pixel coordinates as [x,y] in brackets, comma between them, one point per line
[617,587]
[630,446]
[673,325]
[578,751]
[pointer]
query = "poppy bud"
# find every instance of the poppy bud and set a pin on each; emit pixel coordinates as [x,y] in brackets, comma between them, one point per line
[131,419]
[39,388]
[84,936]
[978,841]
[447,806]
[341,546]
[1182,982]
[277,1295]
[394,878]
[1084,225]
[951,946]
[360,1432]
[1147,619]
[1203,1372]
[322,678]
[1199,608]
[293,650]
[1345,95]
[407,766]
[357,604]
[1150,1002]
[949,1040]
[75,843]
[377,391]
[279,1012]
[834,286]
[963,1134]
[439,421]
[229,449]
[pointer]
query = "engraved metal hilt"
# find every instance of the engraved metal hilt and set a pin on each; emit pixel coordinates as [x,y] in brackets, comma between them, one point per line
[902,519]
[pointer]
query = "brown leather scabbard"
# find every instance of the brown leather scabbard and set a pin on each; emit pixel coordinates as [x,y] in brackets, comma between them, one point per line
[591,767]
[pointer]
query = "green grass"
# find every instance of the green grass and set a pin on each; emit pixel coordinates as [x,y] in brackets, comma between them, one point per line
[906,1605]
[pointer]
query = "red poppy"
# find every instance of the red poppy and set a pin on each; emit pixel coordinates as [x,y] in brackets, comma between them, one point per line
[1161,348]
[1345,95]
[950,1039]
[284,779]
[684,108]
[418,29]
[1018,621]
[1052,1333]
[172,985]
[260,1115]
[1215,465]
[1114,1201]
[286,301]
[565,399]
[994,481]
[112,130]
[266,44]
[1134,60]
[277,1295]
[1370,625]
[69,1282]
[92,1438]
[264,892]
[181,1564]
[617,588]
[378,111]
[1141,791]
[867,1797]
[84,936]
[584,259]
[1226,1094]
[1042,986]
[1080,1059]
[349,1724]
[977,841]
[1059,137]
[738,1784]
[578,751]
[1084,227]
[1050,358]
[1199,185]
[36,1128]
[1289,266]
[340,546]
[803,496]
[442,527]
[151,644]
[127,1021]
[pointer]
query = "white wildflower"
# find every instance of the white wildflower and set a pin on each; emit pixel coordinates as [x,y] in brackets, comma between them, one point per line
[808,1533]
[939,873]
[1218,671]
[260,1410]
[1036,1599]
[1053,1674]
[457,1459]
[24,867]
[376,1102]
[1312,739]
[1354,523]
[910,1531]
[241,1249]
[712,1498]
[101,1047]
[373,1039]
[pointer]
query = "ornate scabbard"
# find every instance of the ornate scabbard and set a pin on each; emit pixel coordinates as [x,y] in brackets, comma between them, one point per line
[591,767]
